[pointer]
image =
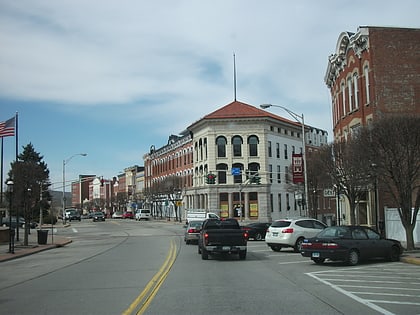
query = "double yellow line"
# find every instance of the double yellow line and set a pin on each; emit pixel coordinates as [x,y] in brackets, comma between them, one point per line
[147,295]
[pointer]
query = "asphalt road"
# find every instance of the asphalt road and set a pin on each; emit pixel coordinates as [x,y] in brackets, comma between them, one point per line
[129,267]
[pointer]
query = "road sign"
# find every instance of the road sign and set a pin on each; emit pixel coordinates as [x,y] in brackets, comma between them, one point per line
[328,192]
[236,171]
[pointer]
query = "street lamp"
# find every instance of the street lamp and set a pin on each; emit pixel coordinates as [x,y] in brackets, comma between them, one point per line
[9,184]
[65,161]
[301,120]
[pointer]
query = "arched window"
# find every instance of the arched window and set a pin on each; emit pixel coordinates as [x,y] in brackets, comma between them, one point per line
[221,146]
[221,173]
[237,179]
[237,145]
[253,145]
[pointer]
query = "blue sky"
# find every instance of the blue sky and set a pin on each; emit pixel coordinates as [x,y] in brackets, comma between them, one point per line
[112,78]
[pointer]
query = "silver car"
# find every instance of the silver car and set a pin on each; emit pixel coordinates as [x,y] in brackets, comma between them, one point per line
[192,231]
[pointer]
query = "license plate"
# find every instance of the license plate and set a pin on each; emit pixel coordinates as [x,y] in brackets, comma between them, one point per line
[226,248]
[275,234]
[315,255]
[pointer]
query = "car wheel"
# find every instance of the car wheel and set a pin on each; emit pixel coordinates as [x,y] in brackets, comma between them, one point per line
[394,254]
[298,245]
[204,254]
[275,248]
[353,257]
[258,237]
[242,255]
[318,261]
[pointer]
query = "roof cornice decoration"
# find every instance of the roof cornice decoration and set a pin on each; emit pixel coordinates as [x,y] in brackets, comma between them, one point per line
[337,62]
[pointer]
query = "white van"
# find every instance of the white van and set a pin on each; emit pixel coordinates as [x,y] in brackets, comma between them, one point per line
[192,215]
[143,214]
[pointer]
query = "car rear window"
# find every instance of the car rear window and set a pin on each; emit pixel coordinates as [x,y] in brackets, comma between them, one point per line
[280,224]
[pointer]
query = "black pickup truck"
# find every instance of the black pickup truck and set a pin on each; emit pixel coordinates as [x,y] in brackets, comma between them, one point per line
[222,236]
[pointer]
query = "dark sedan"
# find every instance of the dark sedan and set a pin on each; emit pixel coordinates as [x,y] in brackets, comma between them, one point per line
[350,244]
[256,230]
[98,216]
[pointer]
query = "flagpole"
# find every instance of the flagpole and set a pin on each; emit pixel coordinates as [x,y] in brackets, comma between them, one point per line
[16,160]
[1,185]
[16,135]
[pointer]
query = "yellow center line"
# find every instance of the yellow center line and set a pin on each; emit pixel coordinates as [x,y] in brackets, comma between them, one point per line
[151,289]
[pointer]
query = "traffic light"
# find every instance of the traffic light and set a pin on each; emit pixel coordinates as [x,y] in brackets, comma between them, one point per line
[211,179]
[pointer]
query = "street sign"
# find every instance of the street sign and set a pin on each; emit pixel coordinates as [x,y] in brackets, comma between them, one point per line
[328,192]
[236,171]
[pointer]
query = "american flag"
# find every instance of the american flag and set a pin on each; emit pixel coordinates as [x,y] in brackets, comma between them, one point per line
[7,128]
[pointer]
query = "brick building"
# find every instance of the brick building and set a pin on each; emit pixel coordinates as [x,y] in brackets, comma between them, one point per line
[373,72]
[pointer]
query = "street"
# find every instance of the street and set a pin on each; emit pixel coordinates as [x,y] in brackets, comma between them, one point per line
[130,267]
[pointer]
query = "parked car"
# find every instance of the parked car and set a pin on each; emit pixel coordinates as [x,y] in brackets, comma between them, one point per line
[128,215]
[256,230]
[192,231]
[6,222]
[350,244]
[292,232]
[117,215]
[98,216]
[73,214]
[143,214]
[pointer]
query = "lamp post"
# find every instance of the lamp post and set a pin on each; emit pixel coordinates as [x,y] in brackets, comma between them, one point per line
[301,120]
[65,161]
[9,184]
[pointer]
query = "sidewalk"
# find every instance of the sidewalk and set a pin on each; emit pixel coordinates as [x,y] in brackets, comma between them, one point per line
[53,241]
[410,257]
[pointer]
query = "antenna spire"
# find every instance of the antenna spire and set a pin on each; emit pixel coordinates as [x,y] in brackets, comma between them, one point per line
[234,76]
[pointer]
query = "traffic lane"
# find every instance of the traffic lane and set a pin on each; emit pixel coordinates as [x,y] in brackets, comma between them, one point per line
[257,285]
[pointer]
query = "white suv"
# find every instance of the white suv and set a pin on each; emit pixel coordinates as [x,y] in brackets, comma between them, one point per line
[292,232]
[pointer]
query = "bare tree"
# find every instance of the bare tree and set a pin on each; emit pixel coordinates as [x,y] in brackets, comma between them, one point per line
[345,164]
[394,146]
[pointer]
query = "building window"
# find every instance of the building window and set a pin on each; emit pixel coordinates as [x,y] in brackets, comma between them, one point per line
[279,202]
[237,179]
[271,202]
[269,149]
[287,202]
[221,173]
[356,91]
[278,174]
[237,146]
[278,150]
[343,98]
[350,93]
[366,74]
[253,145]
[286,174]
[270,170]
[285,152]
[221,146]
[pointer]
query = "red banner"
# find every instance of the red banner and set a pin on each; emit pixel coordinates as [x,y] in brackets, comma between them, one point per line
[297,168]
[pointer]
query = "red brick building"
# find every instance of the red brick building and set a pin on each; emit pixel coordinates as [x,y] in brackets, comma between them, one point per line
[373,72]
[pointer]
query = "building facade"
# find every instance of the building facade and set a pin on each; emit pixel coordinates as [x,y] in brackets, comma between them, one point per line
[234,144]
[372,73]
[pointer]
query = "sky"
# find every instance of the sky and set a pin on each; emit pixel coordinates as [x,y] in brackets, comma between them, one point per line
[112,78]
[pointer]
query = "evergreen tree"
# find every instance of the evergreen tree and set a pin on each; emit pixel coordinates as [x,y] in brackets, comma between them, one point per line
[30,175]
